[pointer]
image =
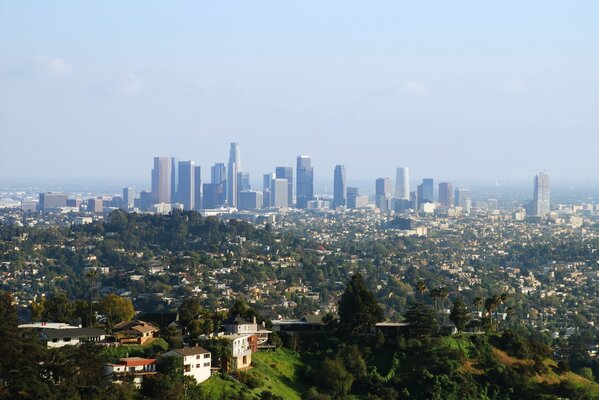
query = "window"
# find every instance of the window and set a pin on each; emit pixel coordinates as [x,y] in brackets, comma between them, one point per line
[54,340]
[206,364]
[207,355]
[67,339]
[198,365]
[198,357]
[186,368]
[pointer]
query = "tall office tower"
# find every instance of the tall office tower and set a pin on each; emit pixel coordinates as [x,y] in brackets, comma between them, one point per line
[446,194]
[382,193]
[286,173]
[243,181]
[146,200]
[541,201]
[52,201]
[250,200]
[414,199]
[128,198]
[197,186]
[305,181]
[462,199]
[161,180]
[427,191]
[95,205]
[402,183]
[233,168]
[175,180]
[267,190]
[218,173]
[186,182]
[279,190]
[339,187]
[214,195]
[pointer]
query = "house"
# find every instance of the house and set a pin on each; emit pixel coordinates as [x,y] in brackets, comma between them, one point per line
[71,337]
[306,323]
[130,369]
[196,362]
[240,326]
[240,351]
[134,332]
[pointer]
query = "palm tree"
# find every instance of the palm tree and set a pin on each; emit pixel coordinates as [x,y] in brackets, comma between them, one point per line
[444,295]
[491,305]
[478,303]
[421,287]
[92,276]
[435,294]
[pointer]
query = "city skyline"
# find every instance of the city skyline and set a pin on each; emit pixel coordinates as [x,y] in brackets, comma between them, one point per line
[410,86]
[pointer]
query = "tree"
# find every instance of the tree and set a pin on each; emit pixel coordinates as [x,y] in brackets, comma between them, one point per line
[116,309]
[491,304]
[459,314]
[358,309]
[54,308]
[422,320]
[333,378]
[189,310]
[478,303]
[421,287]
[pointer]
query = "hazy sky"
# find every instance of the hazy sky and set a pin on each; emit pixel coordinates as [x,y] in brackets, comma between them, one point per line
[452,89]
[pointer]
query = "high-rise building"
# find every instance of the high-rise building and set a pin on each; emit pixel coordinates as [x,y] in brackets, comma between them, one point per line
[286,173]
[402,183]
[175,180]
[245,181]
[218,173]
[128,198]
[214,195]
[354,200]
[339,187]
[446,194]
[52,201]
[541,201]
[197,186]
[462,199]
[279,191]
[267,190]
[95,205]
[427,191]
[233,168]
[382,193]
[161,180]
[305,181]
[146,200]
[186,182]
[250,200]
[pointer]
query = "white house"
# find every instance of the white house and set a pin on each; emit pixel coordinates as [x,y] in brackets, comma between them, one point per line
[240,348]
[196,362]
[72,337]
[133,368]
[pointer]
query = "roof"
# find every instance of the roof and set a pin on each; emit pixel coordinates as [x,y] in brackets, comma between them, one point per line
[139,326]
[75,332]
[136,361]
[237,320]
[189,351]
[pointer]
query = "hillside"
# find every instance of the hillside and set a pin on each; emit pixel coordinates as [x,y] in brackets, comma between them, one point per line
[277,372]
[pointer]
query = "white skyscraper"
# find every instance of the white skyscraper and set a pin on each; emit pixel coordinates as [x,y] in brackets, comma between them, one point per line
[541,201]
[233,168]
[402,184]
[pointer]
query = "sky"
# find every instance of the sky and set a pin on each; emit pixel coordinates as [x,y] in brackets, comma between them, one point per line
[452,89]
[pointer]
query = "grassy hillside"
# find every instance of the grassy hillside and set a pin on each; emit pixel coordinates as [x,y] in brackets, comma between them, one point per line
[275,371]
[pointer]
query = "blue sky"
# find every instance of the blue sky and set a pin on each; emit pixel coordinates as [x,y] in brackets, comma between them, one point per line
[454,90]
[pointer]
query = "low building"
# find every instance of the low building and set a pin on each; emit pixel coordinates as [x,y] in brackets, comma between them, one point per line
[239,325]
[72,337]
[130,370]
[134,332]
[240,352]
[196,362]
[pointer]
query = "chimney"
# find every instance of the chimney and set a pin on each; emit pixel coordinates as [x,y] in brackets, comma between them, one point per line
[254,319]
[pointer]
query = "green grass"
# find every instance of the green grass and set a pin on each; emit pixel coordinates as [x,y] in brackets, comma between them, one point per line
[278,371]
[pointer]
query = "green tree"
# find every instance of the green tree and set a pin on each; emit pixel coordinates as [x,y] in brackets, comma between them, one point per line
[460,315]
[116,309]
[333,378]
[422,320]
[358,309]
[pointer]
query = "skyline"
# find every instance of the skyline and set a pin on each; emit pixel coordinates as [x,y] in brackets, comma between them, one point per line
[491,92]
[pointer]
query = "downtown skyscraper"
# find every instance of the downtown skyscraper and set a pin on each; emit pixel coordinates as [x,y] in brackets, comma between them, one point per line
[186,184]
[446,194]
[541,201]
[339,187]
[233,168]
[286,173]
[402,184]
[305,181]
[161,180]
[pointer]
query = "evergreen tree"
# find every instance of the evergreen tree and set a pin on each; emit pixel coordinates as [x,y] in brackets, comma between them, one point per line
[358,309]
